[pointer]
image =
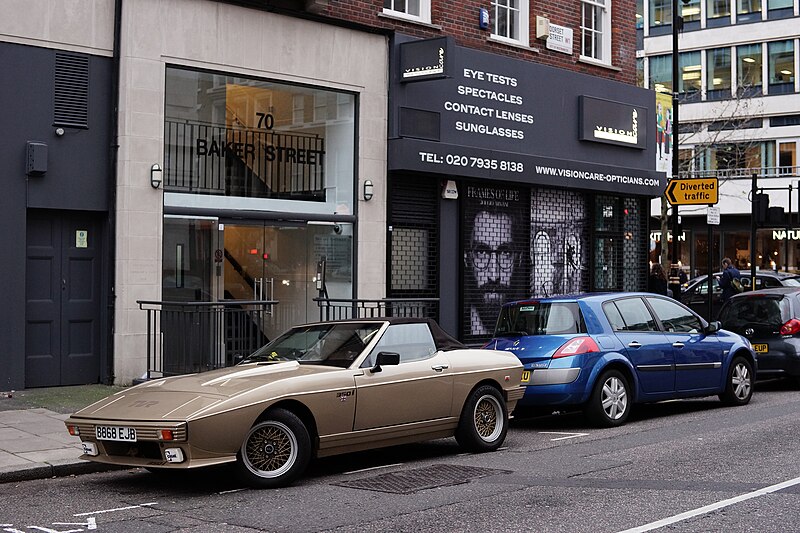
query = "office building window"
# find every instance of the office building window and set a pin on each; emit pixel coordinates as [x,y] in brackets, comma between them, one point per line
[718,73]
[780,60]
[510,20]
[639,14]
[418,10]
[787,157]
[749,79]
[660,13]
[690,11]
[718,12]
[640,72]
[691,74]
[661,73]
[748,10]
[779,9]
[596,30]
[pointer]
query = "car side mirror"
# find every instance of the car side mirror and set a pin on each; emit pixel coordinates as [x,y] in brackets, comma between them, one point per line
[386,358]
[713,327]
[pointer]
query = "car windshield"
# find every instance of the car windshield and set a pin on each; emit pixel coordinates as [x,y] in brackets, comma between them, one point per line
[741,313]
[540,318]
[323,344]
[790,282]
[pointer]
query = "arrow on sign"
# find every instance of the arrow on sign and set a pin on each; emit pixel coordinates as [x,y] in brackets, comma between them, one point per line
[671,192]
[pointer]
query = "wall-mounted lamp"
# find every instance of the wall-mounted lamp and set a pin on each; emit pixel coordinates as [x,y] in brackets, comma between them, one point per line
[155,175]
[368,190]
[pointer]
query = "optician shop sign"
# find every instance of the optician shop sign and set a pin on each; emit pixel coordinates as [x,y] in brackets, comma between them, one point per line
[610,122]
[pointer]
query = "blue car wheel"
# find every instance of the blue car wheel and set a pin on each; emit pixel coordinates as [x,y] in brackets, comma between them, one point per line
[609,404]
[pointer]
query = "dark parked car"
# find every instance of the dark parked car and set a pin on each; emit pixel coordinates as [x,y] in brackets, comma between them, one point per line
[695,294]
[604,352]
[770,319]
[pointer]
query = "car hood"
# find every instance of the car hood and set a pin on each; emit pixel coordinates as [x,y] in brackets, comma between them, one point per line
[184,396]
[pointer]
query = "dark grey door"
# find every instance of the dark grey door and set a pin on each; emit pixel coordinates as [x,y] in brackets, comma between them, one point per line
[62,287]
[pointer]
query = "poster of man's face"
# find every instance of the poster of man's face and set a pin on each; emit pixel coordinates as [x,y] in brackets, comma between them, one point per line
[495,254]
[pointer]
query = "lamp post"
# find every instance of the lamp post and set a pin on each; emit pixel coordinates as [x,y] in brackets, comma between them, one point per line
[677,26]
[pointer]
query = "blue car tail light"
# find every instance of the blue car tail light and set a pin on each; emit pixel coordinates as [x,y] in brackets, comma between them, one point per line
[576,346]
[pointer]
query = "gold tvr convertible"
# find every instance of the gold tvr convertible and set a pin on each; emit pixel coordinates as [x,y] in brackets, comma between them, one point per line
[317,390]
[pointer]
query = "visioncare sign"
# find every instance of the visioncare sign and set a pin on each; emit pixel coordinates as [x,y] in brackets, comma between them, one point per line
[611,122]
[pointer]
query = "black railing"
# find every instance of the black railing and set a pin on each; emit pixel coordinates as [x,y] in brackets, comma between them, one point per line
[339,309]
[188,337]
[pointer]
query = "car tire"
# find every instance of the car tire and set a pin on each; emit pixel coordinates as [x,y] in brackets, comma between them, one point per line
[610,402]
[275,452]
[739,383]
[483,424]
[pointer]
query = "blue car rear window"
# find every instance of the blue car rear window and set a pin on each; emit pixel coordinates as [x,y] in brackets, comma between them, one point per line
[540,318]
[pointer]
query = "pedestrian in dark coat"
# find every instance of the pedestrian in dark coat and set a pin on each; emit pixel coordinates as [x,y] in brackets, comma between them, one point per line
[729,273]
[657,281]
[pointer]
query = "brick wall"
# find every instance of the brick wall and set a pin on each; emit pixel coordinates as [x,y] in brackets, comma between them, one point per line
[460,20]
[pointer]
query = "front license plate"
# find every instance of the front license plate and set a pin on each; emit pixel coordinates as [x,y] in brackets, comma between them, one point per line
[526,376]
[761,348]
[120,433]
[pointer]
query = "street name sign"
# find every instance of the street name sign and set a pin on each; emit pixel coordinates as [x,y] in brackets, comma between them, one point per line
[695,191]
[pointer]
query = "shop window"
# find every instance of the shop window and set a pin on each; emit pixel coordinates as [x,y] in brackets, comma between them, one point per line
[718,73]
[780,58]
[510,20]
[748,11]
[249,138]
[661,73]
[691,73]
[718,13]
[596,30]
[749,80]
[416,10]
[737,248]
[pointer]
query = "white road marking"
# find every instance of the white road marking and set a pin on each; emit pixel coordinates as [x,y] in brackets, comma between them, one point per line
[569,435]
[713,507]
[91,523]
[371,468]
[231,491]
[118,509]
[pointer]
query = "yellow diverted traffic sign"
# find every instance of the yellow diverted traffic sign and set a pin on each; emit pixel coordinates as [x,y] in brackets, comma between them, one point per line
[695,191]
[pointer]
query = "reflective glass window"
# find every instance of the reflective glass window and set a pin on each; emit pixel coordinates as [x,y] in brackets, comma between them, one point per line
[780,58]
[718,73]
[749,65]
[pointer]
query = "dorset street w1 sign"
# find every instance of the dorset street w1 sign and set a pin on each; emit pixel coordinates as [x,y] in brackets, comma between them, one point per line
[696,191]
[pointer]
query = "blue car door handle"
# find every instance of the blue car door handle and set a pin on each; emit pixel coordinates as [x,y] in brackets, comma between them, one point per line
[677,344]
[634,344]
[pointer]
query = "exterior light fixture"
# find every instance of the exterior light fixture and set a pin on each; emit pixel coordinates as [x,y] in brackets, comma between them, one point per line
[368,190]
[155,175]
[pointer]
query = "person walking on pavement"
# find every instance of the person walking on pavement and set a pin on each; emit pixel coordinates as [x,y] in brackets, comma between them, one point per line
[657,281]
[726,283]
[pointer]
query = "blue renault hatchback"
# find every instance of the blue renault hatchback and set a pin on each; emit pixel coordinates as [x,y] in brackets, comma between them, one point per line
[605,352]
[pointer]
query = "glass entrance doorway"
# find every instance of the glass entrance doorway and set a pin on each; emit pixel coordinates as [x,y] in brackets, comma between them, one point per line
[212,260]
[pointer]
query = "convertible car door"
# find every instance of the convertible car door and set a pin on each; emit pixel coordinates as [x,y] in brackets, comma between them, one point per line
[698,357]
[419,388]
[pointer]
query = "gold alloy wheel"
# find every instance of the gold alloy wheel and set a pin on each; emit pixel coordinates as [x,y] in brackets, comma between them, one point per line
[488,418]
[270,449]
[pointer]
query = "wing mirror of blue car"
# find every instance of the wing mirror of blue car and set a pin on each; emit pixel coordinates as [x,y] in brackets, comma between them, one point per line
[713,327]
[385,359]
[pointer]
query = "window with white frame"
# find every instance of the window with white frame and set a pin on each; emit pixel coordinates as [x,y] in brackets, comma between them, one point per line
[510,20]
[596,30]
[417,10]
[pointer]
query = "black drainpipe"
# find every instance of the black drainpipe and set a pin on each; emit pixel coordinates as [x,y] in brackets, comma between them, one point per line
[112,192]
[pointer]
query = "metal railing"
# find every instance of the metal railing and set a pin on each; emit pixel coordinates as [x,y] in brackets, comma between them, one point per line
[344,308]
[188,337]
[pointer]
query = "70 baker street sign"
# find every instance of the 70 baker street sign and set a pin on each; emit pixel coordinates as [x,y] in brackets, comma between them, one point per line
[700,191]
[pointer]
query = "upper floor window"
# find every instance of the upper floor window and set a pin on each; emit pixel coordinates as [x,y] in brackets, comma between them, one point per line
[777,9]
[748,67]
[639,14]
[690,11]
[417,10]
[748,10]
[661,73]
[660,13]
[718,12]
[718,73]
[596,30]
[690,82]
[510,20]
[780,57]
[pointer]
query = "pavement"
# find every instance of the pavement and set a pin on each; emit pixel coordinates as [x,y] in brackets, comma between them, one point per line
[34,442]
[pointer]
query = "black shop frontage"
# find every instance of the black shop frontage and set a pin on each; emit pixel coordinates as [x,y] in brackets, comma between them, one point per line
[510,179]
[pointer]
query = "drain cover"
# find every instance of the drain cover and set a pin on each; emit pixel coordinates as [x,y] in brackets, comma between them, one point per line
[429,477]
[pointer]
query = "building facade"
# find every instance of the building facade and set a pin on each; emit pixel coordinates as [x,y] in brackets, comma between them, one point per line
[225,150]
[739,110]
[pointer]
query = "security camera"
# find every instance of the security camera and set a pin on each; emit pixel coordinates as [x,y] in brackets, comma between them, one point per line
[337,229]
